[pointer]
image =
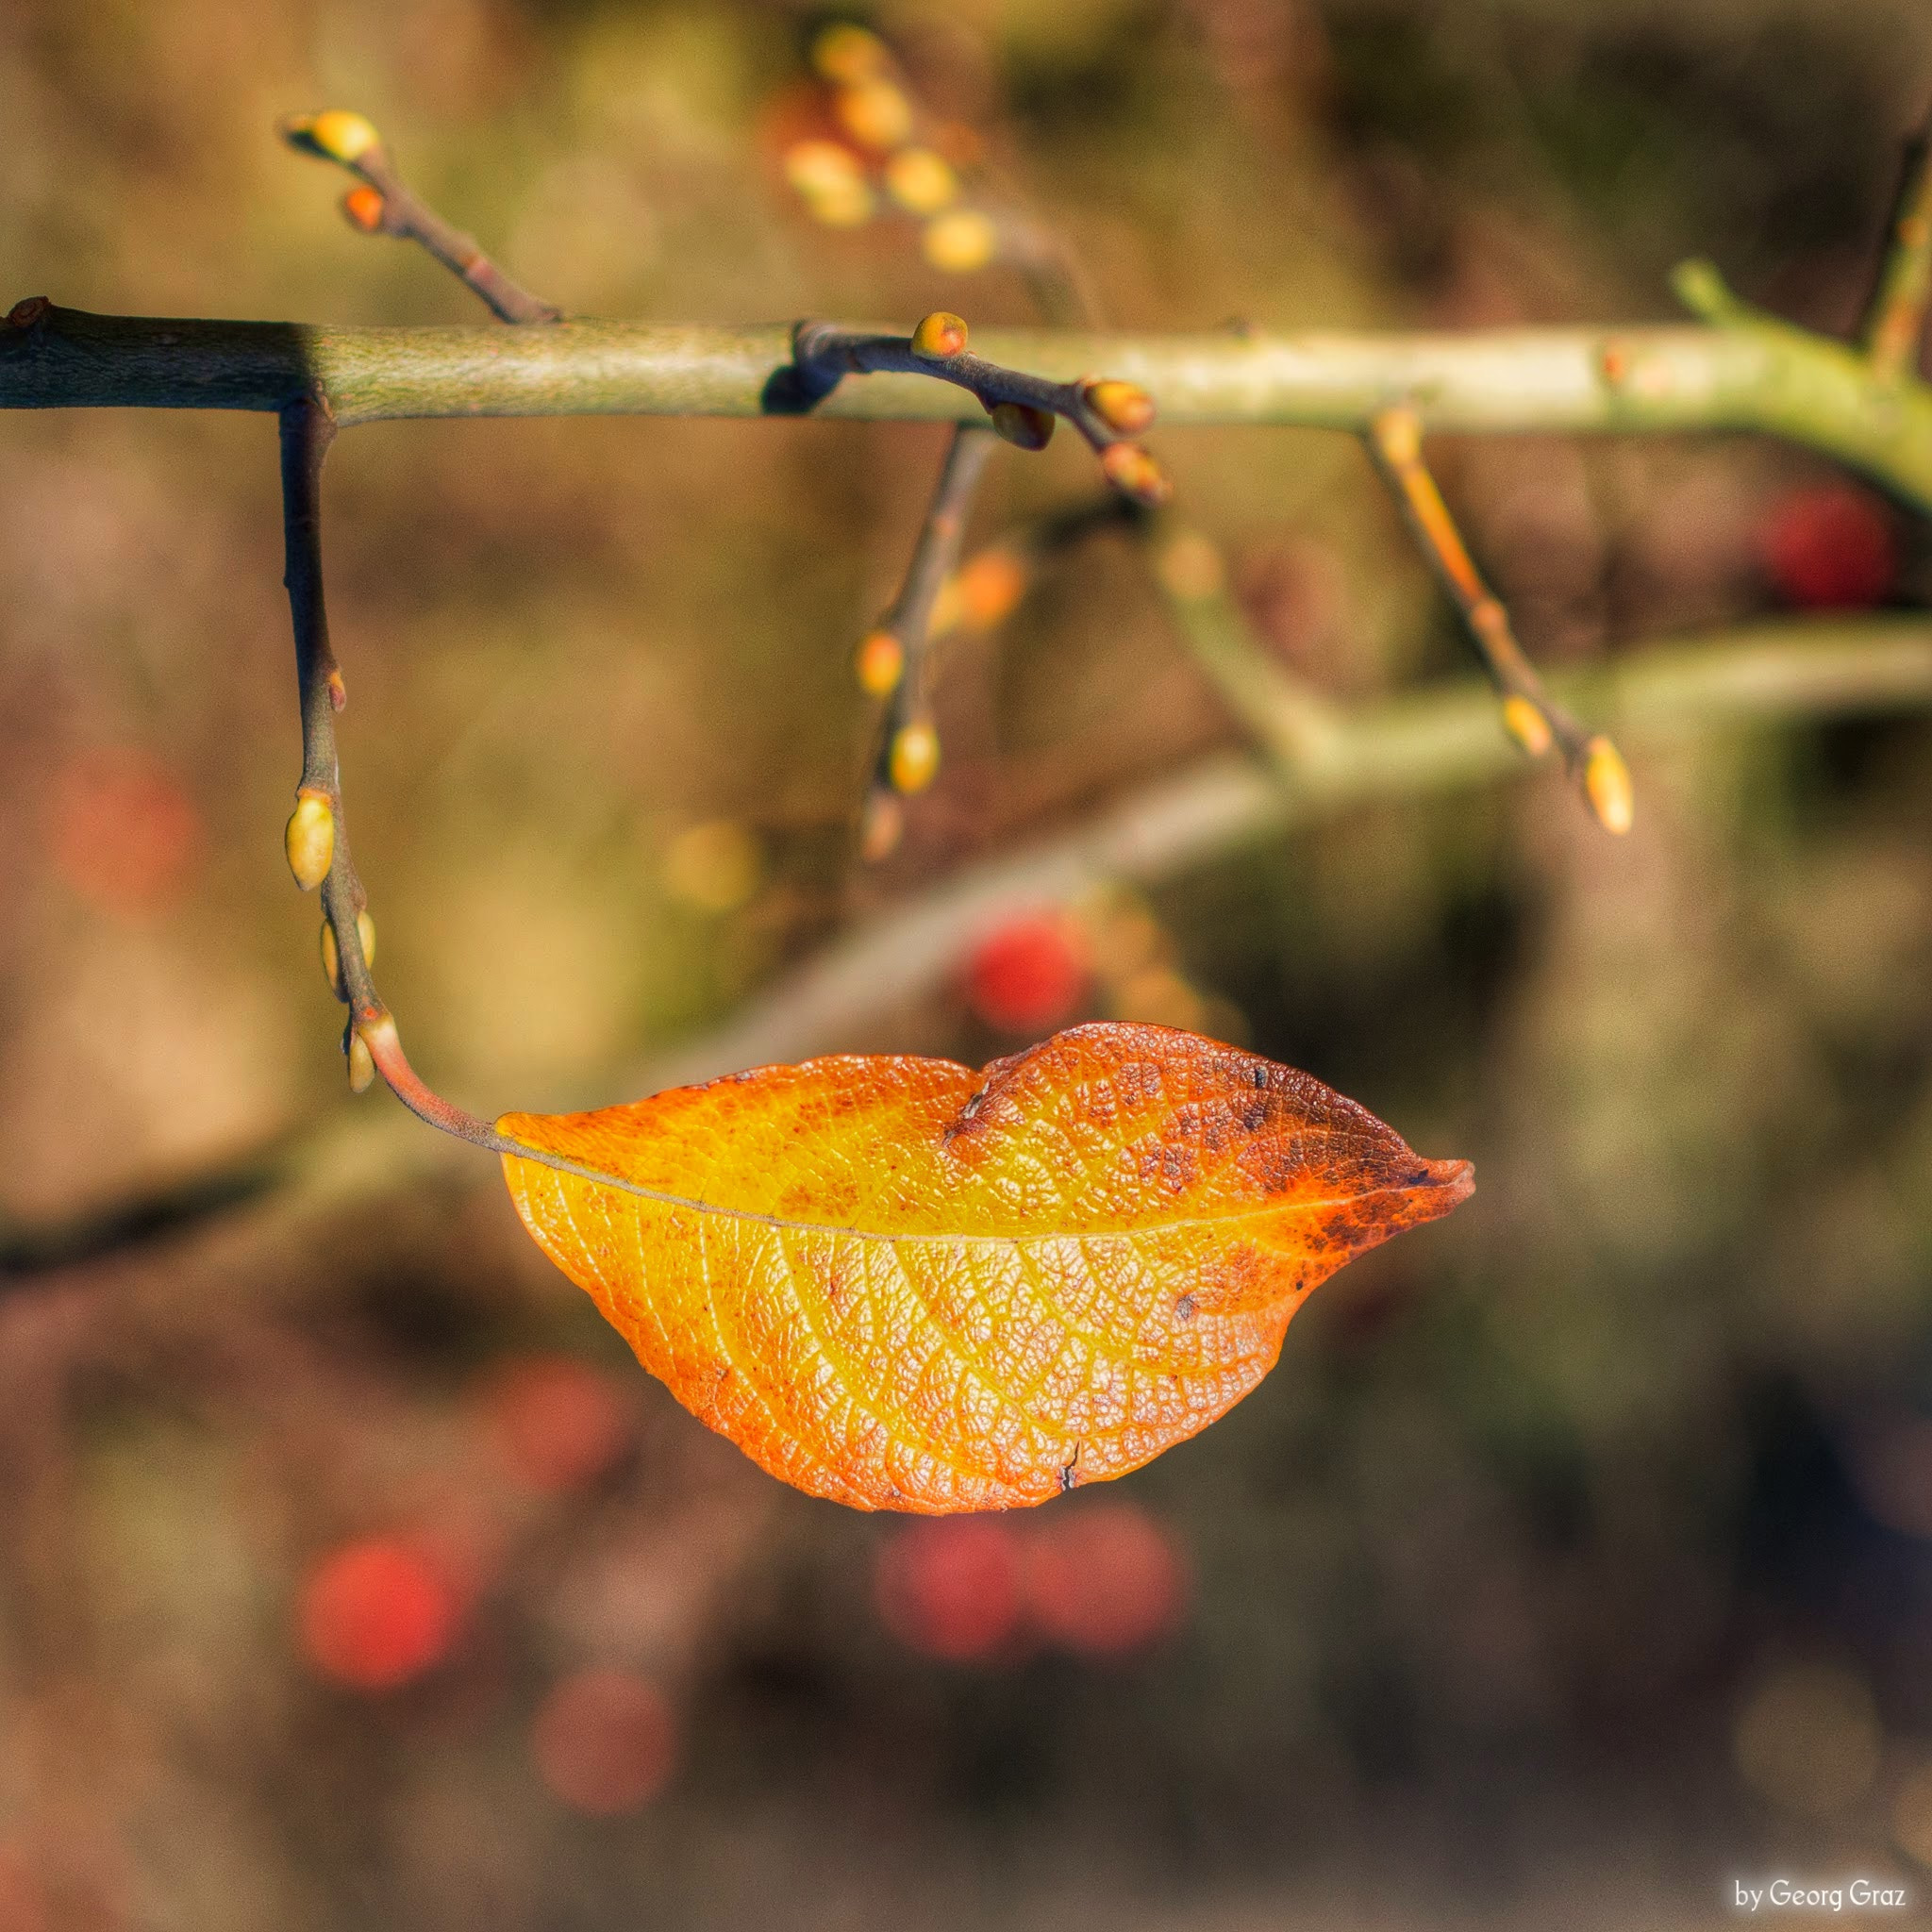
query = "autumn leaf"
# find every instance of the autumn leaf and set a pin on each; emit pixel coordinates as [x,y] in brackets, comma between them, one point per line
[904,1285]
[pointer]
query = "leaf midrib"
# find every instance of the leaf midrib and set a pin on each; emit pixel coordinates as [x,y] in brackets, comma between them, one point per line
[519,1150]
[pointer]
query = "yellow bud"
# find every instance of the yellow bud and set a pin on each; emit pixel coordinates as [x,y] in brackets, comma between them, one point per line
[814,166]
[1606,784]
[1527,724]
[940,337]
[336,135]
[1126,408]
[361,1065]
[309,839]
[875,113]
[920,181]
[1135,473]
[915,759]
[331,957]
[848,54]
[878,661]
[1024,426]
[961,241]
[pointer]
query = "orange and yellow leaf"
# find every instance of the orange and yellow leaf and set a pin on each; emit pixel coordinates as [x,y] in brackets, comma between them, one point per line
[904,1285]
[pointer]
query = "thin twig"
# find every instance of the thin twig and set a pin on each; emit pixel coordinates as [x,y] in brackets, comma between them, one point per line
[1294,725]
[1532,718]
[386,205]
[907,755]
[1893,328]
[318,838]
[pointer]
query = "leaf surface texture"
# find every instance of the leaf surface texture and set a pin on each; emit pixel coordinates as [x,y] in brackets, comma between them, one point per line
[904,1285]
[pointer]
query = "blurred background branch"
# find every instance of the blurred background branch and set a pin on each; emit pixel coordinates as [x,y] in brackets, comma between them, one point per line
[1325,758]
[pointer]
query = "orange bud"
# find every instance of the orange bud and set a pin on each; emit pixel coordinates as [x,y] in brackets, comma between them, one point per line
[878,661]
[915,756]
[1126,408]
[337,135]
[1024,426]
[364,208]
[961,241]
[1606,784]
[1135,473]
[920,181]
[815,166]
[309,839]
[849,53]
[986,588]
[361,1065]
[875,113]
[830,181]
[940,337]
[1527,724]
[331,957]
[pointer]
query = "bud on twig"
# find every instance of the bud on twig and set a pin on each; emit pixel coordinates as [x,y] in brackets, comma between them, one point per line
[848,55]
[337,134]
[1126,408]
[878,662]
[875,113]
[363,207]
[1135,473]
[940,337]
[920,181]
[331,955]
[361,1064]
[1527,724]
[982,592]
[1606,785]
[1024,426]
[830,182]
[961,241]
[914,763]
[309,839]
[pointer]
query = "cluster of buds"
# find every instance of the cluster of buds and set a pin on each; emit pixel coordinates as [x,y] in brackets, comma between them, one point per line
[881,152]
[1110,414]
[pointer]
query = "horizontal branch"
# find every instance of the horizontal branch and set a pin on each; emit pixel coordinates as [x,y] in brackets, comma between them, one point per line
[1746,371]
[1429,742]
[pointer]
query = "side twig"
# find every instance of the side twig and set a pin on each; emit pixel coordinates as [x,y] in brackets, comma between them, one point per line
[1894,329]
[1022,408]
[386,205]
[1530,715]
[894,660]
